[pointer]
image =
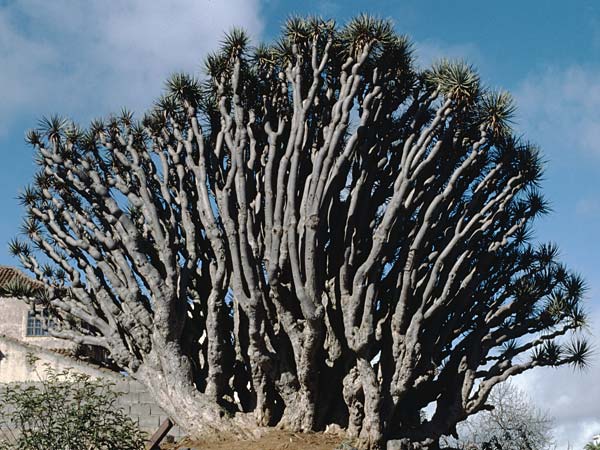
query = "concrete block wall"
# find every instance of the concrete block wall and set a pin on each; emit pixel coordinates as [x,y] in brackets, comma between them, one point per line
[135,401]
[143,410]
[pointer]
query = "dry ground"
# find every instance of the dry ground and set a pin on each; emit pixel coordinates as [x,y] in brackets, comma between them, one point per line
[273,440]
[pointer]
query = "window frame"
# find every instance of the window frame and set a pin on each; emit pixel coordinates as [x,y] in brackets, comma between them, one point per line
[38,323]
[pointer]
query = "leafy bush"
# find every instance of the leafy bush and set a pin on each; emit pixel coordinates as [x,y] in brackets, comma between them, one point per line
[514,423]
[65,411]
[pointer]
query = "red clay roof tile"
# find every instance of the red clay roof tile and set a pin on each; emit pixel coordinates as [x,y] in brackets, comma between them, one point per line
[9,275]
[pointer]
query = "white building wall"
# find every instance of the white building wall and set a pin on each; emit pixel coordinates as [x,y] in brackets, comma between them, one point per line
[14,365]
[13,323]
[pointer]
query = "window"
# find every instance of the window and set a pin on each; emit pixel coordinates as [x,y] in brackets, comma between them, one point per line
[38,323]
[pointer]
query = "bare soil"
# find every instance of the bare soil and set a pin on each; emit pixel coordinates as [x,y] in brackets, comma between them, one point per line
[273,440]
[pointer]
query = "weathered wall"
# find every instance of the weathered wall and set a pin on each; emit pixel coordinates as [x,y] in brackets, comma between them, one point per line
[13,317]
[15,368]
[135,400]
[13,323]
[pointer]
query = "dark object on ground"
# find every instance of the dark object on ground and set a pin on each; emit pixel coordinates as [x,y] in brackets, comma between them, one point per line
[159,435]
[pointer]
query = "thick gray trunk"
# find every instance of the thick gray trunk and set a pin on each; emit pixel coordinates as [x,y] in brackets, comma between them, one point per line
[168,378]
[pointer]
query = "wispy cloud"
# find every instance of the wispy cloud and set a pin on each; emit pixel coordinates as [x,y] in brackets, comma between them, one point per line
[430,51]
[87,58]
[588,207]
[563,104]
[329,8]
[558,109]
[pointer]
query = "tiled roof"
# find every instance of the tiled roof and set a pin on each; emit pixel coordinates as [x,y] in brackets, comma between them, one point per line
[10,275]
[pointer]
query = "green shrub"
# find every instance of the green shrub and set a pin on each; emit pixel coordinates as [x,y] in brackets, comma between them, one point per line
[65,411]
[592,446]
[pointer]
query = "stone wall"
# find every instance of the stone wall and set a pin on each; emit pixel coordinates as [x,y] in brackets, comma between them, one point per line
[139,405]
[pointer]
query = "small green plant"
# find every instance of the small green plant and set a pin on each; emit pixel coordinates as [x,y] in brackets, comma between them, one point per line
[594,445]
[65,411]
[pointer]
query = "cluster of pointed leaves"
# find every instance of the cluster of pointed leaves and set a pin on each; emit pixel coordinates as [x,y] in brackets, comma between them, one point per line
[426,198]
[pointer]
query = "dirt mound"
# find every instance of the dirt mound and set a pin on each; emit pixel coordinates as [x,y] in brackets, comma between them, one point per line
[273,440]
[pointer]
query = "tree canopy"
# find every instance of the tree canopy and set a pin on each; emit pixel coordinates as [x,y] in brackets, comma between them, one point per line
[315,232]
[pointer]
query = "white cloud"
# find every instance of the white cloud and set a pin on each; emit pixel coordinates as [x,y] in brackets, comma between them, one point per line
[91,58]
[585,429]
[562,107]
[559,109]
[570,396]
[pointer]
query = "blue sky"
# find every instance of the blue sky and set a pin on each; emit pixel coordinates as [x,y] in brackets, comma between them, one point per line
[86,59]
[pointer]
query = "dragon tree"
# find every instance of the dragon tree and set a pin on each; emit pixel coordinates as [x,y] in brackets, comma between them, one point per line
[315,232]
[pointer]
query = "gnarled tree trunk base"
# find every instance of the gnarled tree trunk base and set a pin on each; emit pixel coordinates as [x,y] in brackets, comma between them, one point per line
[276,438]
[167,376]
[273,438]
